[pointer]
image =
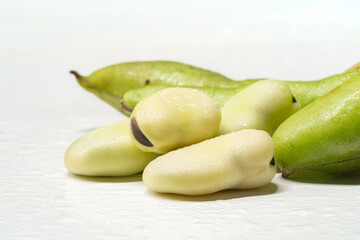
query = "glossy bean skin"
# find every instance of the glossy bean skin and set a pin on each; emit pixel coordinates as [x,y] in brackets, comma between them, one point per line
[324,135]
[174,118]
[238,160]
[106,151]
[263,105]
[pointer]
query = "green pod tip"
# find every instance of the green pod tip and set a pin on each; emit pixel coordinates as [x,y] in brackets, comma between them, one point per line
[79,78]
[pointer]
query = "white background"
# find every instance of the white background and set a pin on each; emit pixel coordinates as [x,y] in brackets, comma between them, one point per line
[43,110]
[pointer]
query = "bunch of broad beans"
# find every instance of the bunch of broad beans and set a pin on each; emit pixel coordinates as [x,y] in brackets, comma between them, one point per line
[192,131]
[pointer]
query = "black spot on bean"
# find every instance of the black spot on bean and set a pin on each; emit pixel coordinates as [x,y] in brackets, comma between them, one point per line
[138,134]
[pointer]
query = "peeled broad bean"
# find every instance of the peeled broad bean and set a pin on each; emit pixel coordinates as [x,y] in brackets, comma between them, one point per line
[238,160]
[107,151]
[174,118]
[263,105]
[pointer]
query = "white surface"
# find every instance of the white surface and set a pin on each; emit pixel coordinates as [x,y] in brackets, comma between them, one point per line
[43,110]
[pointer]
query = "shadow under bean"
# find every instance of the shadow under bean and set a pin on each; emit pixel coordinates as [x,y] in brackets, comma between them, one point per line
[132,178]
[307,176]
[271,188]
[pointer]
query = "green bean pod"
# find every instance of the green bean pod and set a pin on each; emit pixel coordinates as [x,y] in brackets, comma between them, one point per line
[125,84]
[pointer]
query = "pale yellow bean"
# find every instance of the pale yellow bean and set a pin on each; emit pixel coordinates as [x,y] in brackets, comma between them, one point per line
[107,151]
[238,160]
[174,118]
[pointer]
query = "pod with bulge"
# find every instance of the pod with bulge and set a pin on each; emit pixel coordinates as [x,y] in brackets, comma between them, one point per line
[220,95]
[107,151]
[174,118]
[263,106]
[238,160]
[110,83]
[323,136]
[305,92]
